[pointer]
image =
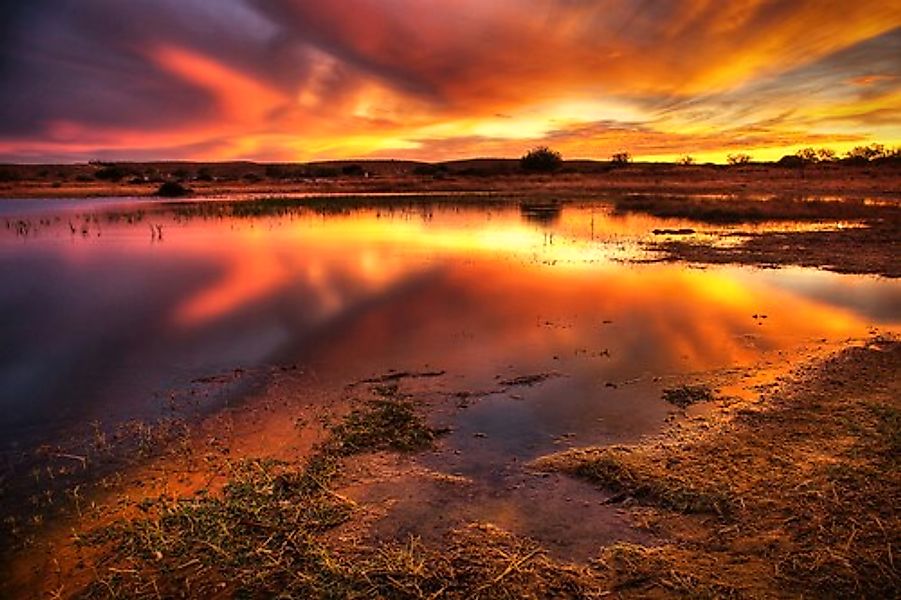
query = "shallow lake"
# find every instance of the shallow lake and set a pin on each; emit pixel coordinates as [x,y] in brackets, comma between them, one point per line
[112,307]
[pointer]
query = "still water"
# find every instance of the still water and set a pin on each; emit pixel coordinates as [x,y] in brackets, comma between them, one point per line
[107,306]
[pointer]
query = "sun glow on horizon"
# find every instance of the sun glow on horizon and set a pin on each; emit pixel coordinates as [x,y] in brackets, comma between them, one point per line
[306,80]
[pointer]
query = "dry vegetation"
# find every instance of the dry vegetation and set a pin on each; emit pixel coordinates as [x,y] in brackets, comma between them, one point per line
[871,245]
[269,532]
[797,497]
[870,249]
[734,210]
[576,178]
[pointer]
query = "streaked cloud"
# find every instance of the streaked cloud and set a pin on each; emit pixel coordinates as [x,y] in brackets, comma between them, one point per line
[304,79]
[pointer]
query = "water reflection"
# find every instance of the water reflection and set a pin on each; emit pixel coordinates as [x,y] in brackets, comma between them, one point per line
[107,306]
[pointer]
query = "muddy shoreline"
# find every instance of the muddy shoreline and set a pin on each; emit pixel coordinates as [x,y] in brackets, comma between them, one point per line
[795,495]
[700,527]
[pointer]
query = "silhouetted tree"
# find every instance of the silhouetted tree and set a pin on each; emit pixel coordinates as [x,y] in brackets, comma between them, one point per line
[621,158]
[541,160]
[826,155]
[172,189]
[808,155]
[864,154]
[686,160]
[738,159]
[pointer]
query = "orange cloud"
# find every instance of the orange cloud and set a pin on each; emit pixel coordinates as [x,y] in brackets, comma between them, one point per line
[238,97]
[311,79]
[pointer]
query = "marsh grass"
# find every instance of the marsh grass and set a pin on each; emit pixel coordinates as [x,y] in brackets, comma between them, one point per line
[742,210]
[633,570]
[58,480]
[264,534]
[797,498]
[389,422]
[269,533]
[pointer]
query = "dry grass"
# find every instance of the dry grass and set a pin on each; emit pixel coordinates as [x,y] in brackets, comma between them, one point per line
[806,491]
[632,473]
[267,534]
[388,422]
[54,481]
[875,248]
[263,534]
[871,247]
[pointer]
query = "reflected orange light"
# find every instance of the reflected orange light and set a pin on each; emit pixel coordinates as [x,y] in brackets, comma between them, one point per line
[377,253]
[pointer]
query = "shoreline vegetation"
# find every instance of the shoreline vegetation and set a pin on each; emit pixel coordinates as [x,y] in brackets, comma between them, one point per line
[573,178]
[791,494]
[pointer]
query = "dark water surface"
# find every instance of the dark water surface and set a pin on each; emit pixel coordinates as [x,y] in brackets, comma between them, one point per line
[106,306]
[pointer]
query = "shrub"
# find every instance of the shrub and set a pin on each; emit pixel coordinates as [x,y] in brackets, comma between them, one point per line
[110,173]
[791,161]
[353,171]
[807,155]
[686,160]
[172,189]
[621,158]
[541,160]
[865,154]
[738,159]
[826,155]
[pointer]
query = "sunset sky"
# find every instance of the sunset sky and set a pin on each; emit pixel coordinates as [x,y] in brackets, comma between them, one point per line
[287,80]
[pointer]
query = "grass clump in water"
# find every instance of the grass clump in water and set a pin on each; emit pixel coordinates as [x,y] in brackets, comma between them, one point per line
[388,422]
[632,473]
[684,396]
